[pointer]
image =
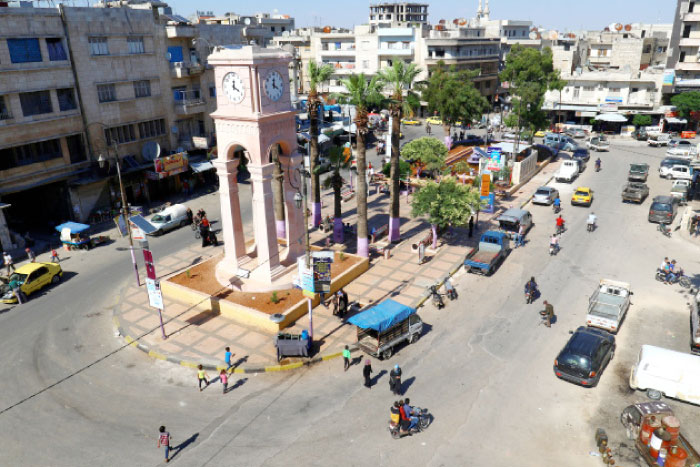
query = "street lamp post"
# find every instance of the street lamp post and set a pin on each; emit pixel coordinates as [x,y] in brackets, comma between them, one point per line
[125,210]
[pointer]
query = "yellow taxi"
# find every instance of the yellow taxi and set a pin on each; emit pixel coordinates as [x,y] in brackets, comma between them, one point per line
[410,121]
[583,196]
[539,133]
[32,277]
[434,120]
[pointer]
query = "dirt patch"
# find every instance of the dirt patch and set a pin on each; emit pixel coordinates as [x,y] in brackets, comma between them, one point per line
[202,278]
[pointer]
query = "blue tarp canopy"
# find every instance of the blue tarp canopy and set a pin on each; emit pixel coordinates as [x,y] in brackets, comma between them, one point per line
[382,316]
[73,226]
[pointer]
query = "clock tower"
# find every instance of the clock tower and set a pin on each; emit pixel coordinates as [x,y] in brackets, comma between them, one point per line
[253,114]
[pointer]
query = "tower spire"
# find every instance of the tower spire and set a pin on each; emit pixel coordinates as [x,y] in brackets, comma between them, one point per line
[479,10]
[487,12]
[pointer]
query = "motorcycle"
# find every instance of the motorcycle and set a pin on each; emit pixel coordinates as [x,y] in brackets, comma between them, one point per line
[664,230]
[450,290]
[423,423]
[679,278]
[530,296]
[437,298]
[556,208]
[590,226]
[560,229]
[553,249]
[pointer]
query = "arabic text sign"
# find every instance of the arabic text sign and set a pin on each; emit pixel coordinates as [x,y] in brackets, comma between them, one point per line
[155,297]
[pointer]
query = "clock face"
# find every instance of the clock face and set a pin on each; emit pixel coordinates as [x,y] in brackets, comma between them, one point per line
[274,85]
[233,87]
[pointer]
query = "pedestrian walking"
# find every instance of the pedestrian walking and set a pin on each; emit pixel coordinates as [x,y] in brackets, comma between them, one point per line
[427,128]
[227,358]
[223,377]
[30,255]
[395,380]
[548,314]
[520,238]
[471,226]
[164,440]
[202,376]
[366,372]
[54,256]
[9,263]
[346,357]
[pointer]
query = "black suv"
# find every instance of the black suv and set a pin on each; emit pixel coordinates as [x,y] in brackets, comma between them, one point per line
[584,357]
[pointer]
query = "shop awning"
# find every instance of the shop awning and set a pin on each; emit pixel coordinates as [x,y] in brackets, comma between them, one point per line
[73,227]
[676,120]
[611,117]
[203,166]
[321,138]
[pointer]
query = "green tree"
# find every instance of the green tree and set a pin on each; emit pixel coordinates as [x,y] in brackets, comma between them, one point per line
[530,73]
[363,93]
[341,158]
[557,84]
[687,102]
[446,204]
[641,120]
[398,79]
[452,95]
[431,152]
[317,75]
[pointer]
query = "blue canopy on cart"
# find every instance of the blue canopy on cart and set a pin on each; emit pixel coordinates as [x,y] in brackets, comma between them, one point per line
[382,316]
[74,227]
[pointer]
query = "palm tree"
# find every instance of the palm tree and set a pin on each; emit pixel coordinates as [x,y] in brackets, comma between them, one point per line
[398,78]
[278,190]
[317,75]
[341,158]
[363,94]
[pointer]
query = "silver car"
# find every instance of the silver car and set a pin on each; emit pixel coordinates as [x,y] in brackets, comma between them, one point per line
[545,195]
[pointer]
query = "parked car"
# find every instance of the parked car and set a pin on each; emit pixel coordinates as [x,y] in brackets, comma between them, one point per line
[598,143]
[472,140]
[585,356]
[32,278]
[583,196]
[659,140]
[434,120]
[512,219]
[638,172]
[667,163]
[539,134]
[560,141]
[635,192]
[544,152]
[680,190]
[581,154]
[663,372]
[545,195]
[568,171]
[680,172]
[608,305]
[577,133]
[640,134]
[170,218]
[663,209]
[491,251]
[410,121]
[681,147]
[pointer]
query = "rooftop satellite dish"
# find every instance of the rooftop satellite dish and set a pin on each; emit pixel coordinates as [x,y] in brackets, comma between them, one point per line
[455,21]
[553,35]
[150,151]
[618,27]
[628,27]
[442,21]
[327,29]
[533,35]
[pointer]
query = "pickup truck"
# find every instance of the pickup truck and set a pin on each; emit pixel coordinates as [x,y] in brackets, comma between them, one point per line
[568,171]
[635,192]
[680,190]
[658,140]
[492,250]
[608,305]
[638,172]
[384,326]
[632,418]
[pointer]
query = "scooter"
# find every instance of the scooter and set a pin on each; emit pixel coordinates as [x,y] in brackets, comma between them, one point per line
[530,296]
[423,423]
[437,298]
[553,249]
[556,208]
[590,226]
[450,290]
[664,230]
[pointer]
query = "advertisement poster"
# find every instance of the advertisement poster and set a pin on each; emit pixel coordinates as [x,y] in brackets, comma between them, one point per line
[495,159]
[155,298]
[489,202]
[322,272]
[485,185]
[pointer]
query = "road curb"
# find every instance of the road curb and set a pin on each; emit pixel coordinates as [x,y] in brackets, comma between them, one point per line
[240,370]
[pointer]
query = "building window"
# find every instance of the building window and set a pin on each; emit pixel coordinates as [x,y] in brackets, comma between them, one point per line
[4,109]
[24,50]
[56,51]
[98,46]
[682,57]
[691,7]
[106,93]
[686,31]
[365,64]
[30,154]
[152,128]
[66,99]
[135,45]
[212,91]
[76,148]
[120,134]
[142,88]
[577,91]
[35,103]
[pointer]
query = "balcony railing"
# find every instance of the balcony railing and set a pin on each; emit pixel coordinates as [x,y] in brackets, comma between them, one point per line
[5,114]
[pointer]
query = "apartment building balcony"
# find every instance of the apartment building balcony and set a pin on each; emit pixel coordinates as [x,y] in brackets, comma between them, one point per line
[688,66]
[399,52]
[460,59]
[189,103]
[183,69]
[689,42]
[180,31]
[342,68]
[691,17]
[338,53]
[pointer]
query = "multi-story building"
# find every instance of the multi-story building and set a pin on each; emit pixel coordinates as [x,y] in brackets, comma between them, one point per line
[632,46]
[683,65]
[124,79]
[590,92]
[259,28]
[398,14]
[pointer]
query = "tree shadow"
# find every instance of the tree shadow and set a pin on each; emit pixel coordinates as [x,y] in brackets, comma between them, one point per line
[177,449]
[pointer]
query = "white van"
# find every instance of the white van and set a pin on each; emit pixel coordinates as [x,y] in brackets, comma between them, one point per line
[663,372]
[567,172]
[170,218]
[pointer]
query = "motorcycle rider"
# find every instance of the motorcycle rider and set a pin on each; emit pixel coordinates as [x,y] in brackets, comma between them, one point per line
[395,413]
[591,221]
[674,272]
[531,288]
[560,224]
[557,204]
[664,266]
[408,411]
[554,242]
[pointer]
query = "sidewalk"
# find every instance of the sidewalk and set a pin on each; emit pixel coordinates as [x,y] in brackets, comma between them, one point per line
[200,338]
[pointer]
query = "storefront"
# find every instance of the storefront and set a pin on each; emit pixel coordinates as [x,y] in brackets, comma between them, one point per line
[165,180]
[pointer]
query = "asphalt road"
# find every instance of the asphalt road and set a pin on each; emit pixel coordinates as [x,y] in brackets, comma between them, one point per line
[483,366]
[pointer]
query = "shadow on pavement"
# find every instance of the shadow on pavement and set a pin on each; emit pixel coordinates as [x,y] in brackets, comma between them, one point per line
[177,449]
[406,384]
[237,384]
[376,378]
